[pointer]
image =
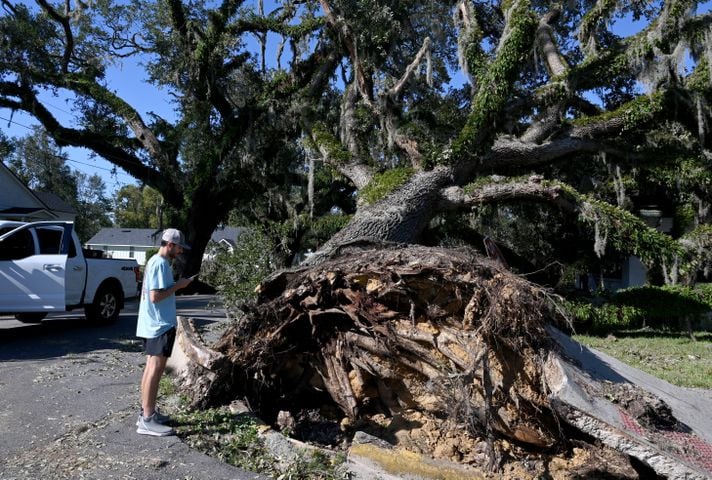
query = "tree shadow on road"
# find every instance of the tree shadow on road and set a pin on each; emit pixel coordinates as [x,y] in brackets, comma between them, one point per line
[71,333]
[64,335]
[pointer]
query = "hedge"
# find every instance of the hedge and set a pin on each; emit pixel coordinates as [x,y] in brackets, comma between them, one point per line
[667,307]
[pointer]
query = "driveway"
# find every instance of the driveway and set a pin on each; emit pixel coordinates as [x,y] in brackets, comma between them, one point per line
[69,399]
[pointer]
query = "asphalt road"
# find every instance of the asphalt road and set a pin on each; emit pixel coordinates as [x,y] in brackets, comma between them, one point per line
[69,399]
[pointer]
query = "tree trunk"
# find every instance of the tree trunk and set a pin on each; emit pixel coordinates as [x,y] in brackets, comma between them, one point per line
[204,216]
[399,217]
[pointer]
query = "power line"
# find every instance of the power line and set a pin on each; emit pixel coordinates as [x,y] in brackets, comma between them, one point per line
[57,108]
[110,170]
[16,123]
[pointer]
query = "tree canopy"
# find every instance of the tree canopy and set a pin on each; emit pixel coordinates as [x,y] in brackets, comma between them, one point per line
[428,122]
[40,165]
[138,207]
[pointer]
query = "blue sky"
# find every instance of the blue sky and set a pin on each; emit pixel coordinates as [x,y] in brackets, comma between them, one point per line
[128,81]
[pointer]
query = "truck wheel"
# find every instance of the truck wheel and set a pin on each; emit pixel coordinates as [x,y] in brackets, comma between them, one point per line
[105,308]
[30,317]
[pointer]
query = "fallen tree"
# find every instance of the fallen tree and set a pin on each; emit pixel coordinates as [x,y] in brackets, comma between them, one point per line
[434,349]
[438,350]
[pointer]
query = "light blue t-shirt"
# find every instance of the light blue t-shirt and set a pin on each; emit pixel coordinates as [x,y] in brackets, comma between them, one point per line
[154,319]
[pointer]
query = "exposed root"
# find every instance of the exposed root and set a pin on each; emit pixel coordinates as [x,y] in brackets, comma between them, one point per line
[383,330]
[438,351]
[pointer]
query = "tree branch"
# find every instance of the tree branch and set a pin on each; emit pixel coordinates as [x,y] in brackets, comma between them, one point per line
[555,62]
[9,7]
[251,23]
[495,87]
[508,154]
[389,115]
[29,102]
[532,189]
[64,22]
[395,91]
[557,66]
[347,119]
[143,133]
[344,34]
[586,135]
[178,19]
[334,154]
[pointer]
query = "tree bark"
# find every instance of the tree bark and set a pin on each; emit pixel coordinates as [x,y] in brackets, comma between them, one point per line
[399,217]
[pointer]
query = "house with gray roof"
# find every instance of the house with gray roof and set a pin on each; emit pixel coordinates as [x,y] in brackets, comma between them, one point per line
[17,202]
[135,242]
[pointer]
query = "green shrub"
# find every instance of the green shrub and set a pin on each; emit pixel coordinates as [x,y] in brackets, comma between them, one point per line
[325,227]
[236,274]
[661,307]
[587,317]
[704,291]
[667,306]
[321,229]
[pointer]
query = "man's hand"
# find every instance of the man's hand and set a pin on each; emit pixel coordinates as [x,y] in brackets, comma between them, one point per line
[183,282]
[160,295]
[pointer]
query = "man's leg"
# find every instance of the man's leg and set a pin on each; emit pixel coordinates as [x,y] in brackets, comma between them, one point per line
[152,373]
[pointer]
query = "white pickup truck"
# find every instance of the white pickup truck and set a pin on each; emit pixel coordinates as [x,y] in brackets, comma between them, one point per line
[43,269]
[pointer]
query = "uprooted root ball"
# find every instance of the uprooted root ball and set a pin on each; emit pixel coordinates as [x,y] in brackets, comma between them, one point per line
[441,337]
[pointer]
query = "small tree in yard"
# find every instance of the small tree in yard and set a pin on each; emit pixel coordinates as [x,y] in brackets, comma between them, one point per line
[236,273]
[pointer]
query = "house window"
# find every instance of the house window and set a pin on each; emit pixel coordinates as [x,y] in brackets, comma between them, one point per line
[131,252]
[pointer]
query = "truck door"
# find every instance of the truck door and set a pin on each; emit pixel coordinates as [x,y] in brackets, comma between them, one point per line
[33,267]
[76,269]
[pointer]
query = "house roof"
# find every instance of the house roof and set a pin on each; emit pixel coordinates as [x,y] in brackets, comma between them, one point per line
[16,199]
[54,203]
[149,237]
[137,237]
[22,211]
[19,202]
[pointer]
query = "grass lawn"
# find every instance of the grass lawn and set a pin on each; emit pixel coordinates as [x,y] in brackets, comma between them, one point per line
[671,356]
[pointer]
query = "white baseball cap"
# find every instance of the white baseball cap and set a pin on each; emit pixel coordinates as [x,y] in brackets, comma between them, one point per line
[171,235]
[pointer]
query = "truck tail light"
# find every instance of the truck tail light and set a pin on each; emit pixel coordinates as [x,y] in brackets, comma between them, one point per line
[137,272]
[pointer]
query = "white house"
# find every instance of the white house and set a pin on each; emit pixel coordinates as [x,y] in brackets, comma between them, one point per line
[632,272]
[17,202]
[135,242]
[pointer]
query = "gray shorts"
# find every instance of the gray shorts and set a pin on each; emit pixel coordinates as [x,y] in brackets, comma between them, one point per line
[162,345]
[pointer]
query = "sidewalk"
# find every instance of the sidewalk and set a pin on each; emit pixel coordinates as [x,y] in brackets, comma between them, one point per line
[671,430]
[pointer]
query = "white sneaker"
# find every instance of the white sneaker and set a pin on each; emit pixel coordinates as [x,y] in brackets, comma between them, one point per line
[157,416]
[149,426]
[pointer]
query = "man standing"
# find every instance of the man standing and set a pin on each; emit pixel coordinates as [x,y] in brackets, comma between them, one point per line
[157,326]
